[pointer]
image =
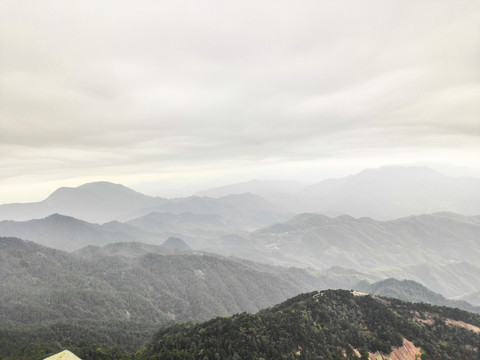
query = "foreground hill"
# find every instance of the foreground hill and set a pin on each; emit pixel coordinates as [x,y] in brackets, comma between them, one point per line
[326,325]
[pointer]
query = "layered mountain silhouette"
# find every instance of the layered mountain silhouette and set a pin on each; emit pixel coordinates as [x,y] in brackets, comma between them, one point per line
[393,192]
[67,233]
[383,194]
[136,263]
[279,192]
[323,241]
[118,294]
[97,202]
[452,280]
[473,298]
[437,250]
[101,202]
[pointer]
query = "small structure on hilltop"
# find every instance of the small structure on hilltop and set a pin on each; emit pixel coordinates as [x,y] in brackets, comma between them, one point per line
[64,355]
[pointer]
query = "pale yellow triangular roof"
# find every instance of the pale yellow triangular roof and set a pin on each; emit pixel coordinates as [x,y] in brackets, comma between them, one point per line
[64,355]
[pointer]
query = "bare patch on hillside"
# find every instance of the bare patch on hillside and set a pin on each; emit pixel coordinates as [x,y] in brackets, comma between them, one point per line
[464,325]
[407,352]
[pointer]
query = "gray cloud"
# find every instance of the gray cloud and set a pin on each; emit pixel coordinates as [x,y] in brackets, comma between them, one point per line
[116,88]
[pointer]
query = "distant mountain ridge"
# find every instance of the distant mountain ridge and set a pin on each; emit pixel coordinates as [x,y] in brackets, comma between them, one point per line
[393,192]
[323,241]
[384,193]
[69,234]
[101,202]
[97,202]
[412,291]
[473,298]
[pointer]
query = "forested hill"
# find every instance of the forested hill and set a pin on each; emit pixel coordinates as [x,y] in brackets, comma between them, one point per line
[101,296]
[326,325]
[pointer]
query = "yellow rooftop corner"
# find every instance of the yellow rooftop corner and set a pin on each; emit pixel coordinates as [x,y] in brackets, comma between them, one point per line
[64,355]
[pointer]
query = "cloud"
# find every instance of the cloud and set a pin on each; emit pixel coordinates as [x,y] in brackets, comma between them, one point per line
[135,85]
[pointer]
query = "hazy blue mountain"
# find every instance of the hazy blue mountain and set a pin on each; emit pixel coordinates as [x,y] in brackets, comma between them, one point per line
[243,211]
[473,298]
[186,225]
[176,244]
[321,241]
[264,188]
[409,290]
[422,248]
[207,220]
[393,192]
[279,192]
[96,202]
[101,202]
[67,233]
[384,193]
[200,231]
[451,280]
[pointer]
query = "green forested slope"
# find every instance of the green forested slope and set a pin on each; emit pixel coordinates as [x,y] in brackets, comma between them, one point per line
[326,325]
[51,296]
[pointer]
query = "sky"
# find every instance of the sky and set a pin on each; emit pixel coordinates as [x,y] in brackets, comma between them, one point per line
[175,96]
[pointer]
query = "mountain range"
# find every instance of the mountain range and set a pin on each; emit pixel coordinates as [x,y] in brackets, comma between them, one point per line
[321,241]
[101,267]
[384,193]
[118,294]
[101,202]
[437,250]
[67,233]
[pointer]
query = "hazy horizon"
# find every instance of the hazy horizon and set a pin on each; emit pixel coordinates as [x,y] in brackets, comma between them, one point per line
[155,188]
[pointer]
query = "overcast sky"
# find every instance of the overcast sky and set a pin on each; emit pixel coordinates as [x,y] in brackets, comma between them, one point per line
[159,95]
